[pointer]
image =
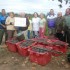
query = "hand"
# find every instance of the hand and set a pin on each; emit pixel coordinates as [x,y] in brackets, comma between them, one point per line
[3,25]
[11,23]
[62,32]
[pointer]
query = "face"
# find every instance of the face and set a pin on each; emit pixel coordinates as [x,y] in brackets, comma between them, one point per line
[3,12]
[52,12]
[11,14]
[22,14]
[68,11]
[59,14]
[41,15]
[35,15]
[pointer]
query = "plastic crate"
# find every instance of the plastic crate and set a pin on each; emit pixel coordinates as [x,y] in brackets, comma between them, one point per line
[39,41]
[23,51]
[50,37]
[39,58]
[11,46]
[58,48]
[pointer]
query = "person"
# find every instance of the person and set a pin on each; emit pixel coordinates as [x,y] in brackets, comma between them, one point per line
[10,25]
[60,27]
[42,25]
[23,29]
[67,19]
[35,25]
[29,28]
[3,17]
[51,17]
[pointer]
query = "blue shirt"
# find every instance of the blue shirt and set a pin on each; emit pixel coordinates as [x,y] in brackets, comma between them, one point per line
[2,21]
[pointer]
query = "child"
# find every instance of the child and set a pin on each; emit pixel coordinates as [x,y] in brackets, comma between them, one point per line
[29,28]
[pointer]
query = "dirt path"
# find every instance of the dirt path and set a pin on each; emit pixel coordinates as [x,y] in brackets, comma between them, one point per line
[13,61]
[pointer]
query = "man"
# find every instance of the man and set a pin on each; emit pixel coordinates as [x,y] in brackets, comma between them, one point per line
[60,26]
[51,22]
[67,19]
[23,29]
[2,25]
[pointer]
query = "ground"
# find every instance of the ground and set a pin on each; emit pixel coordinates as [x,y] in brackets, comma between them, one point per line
[13,61]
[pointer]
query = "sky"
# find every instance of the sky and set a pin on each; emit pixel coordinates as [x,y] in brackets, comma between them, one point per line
[31,6]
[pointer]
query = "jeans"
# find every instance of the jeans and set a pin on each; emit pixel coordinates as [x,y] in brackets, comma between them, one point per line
[28,34]
[2,31]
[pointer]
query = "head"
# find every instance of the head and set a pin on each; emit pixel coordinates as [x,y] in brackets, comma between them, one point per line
[3,12]
[27,16]
[22,14]
[67,11]
[35,14]
[59,14]
[41,15]
[52,12]
[11,14]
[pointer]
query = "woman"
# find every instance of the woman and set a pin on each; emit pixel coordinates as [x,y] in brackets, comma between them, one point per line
[60,26]
[10,25]
[35,25]
[42,25]
[29,28]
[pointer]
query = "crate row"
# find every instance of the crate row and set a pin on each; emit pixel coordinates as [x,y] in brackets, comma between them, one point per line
[39,50]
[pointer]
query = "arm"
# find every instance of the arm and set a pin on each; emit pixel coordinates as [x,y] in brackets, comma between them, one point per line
[27,22]
[2,24]
[7,22]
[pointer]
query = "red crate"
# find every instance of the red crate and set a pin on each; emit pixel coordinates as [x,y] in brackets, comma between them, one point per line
[62,49]
[23,51]
[49,37]
[39,58]
[11,47]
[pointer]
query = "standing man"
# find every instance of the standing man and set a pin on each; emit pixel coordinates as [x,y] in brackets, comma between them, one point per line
[51,22]
[2,25]
[67,19]
[60,26]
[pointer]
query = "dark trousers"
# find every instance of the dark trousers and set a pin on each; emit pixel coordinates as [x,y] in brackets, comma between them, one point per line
[10,34]
[60,36]
[2,32]
[68,36]
[35,34]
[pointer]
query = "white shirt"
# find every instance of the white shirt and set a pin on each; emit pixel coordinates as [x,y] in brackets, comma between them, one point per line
[51,16]
[35,22]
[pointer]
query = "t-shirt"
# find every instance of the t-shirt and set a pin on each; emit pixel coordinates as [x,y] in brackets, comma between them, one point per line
[42,22]
[8,21]
[30,26]
[35,23]
[51,20]
[67,19]
[2,21]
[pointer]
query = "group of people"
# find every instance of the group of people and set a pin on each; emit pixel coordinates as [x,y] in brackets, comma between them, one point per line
[37,26]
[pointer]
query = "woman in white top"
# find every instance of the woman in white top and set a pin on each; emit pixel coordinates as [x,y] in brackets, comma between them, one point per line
[35,25]
[10,25]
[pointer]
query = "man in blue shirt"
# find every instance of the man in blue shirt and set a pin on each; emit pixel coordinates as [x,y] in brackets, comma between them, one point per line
[2,25]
